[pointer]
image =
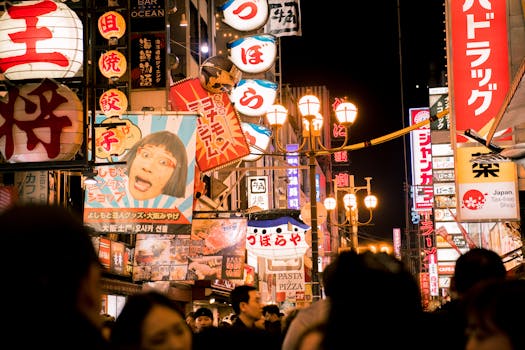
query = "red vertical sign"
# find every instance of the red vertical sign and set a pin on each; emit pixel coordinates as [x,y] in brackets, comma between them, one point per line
[480,69]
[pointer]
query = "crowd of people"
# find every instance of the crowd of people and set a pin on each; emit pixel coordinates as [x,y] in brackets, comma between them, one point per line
[371,298]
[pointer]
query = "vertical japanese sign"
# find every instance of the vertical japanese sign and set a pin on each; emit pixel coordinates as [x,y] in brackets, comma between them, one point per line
[485,191]
[148,60]
[258,192]
[479,61]
[421,161]
[293,189]
[33,186]
[428,256]
[284,18]
[396,239]
[439,104]
[340,159]
[153,191]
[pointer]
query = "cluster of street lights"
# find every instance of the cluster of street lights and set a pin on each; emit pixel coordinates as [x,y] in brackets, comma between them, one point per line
[311,146]
[351,208]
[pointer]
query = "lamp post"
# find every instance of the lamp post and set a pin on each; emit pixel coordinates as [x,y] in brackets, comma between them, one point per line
[310,146]
[351,208]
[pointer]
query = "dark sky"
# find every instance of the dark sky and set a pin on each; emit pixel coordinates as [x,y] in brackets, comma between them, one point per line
[352,47]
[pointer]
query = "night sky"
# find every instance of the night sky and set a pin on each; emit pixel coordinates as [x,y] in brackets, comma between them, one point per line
[352,48]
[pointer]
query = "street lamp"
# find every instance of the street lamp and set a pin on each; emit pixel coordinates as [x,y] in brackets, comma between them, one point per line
[310,146]
[351,207]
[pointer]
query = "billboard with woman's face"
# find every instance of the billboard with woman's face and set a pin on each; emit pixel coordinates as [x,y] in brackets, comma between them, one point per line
[145,174]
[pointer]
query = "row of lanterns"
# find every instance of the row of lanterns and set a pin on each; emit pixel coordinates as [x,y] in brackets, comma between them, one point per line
[44,40]
[253,55]
[112,63]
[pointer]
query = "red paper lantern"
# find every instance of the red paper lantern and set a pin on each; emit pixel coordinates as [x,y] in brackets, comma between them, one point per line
[40,122]
[40,39]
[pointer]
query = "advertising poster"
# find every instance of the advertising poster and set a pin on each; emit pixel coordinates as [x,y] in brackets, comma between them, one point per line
[215,249]
[145,175]
[220,138]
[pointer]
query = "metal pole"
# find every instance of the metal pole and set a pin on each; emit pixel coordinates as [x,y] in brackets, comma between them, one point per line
[313,220]
[353,218]
[355,240]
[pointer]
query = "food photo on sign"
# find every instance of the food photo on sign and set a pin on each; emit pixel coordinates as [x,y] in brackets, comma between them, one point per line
[217,248]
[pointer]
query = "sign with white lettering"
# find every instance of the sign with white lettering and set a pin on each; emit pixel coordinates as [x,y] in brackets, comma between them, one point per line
[147,14]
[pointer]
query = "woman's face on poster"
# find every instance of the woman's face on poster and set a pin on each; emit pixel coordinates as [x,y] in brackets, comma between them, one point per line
[150,171]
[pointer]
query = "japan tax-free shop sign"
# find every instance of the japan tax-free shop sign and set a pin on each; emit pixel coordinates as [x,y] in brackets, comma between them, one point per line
[150,189]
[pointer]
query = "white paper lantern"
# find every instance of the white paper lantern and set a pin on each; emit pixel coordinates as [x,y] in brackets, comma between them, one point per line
[41,122]
[245,15]
[253,53]
[40,39]
[253,97]
[258,137]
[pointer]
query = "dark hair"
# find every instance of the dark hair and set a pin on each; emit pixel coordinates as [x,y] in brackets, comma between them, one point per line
[240,294]
[495,306]
[477,264]
[271,309]
[51,243]
[203,311]
[127,331]
[381,289]
[327,276]
[176,185]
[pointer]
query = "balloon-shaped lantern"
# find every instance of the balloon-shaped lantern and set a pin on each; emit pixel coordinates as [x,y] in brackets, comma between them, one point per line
[40,39]
[112,26]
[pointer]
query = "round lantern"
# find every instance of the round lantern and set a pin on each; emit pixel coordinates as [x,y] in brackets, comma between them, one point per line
[112,64]
[258,138]
[41,122]
[253,53]
[40,39]
[245,15]
[113,137]
[253,97]
[113,102]
[112,26]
